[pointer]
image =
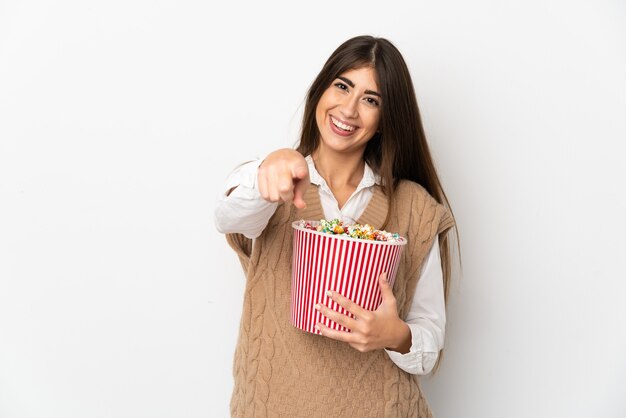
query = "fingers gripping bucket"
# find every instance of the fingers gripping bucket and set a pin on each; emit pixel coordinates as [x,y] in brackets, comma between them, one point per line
[341,263]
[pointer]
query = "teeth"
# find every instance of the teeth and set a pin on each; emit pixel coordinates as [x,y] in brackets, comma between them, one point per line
[341,125]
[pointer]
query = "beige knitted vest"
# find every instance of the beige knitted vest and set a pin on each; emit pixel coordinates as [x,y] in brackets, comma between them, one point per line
[280,371]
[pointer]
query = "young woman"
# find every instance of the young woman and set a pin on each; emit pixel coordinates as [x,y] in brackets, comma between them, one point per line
[362,157]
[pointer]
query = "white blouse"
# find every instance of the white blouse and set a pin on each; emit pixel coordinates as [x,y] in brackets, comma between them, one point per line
[245,211]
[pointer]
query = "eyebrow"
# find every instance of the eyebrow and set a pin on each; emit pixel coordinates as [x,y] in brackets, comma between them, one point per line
[351,84]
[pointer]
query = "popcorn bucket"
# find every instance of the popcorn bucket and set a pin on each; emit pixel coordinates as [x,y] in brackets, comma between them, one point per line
[347,265]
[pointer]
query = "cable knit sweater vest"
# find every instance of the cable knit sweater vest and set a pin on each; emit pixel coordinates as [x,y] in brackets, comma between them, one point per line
[280,371]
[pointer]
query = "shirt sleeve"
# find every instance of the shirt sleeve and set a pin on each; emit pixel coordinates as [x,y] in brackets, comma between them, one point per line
[426,319]
[244,210]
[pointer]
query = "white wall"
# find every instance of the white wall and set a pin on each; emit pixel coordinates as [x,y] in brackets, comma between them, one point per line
[120,119]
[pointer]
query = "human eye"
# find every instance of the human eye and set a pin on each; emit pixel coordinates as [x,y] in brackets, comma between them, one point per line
[372,101]
[341,85]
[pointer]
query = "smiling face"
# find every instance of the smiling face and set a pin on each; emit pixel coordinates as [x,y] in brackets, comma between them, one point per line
[348,112]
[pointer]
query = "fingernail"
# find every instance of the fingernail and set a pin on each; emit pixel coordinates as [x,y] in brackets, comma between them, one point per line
[317,327]
[329,293]
[317,306]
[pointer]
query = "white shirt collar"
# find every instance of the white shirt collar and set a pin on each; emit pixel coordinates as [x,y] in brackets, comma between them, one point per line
[369,177]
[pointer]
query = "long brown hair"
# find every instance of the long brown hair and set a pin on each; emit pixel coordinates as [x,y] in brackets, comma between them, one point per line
[399,150]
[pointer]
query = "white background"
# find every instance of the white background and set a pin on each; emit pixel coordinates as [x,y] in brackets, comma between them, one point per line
[119,121]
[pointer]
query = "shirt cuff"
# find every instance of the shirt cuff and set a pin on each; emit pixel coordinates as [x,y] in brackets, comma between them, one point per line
[416,361]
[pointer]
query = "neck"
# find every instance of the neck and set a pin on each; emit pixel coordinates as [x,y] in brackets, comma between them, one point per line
[339,170]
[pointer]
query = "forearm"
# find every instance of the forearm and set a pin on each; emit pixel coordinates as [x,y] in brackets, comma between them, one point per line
[425,319]
[240,208]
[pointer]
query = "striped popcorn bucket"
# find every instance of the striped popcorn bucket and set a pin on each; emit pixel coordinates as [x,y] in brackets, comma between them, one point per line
[341,263]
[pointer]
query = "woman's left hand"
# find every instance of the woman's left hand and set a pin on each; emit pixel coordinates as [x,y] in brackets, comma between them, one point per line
[370,330]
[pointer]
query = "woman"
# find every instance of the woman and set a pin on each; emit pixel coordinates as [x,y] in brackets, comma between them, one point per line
[362,157]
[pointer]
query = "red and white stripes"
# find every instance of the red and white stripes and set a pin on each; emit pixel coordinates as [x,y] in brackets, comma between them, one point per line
[348,266]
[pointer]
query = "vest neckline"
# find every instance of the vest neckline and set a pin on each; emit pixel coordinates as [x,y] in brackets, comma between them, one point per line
[374,214]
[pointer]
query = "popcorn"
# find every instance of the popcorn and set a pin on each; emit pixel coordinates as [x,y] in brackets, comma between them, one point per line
[365,232]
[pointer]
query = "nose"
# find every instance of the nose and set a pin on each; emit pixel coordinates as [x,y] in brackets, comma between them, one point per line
[349,108]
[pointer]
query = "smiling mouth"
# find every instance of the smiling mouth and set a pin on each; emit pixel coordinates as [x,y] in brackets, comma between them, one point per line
[342,126]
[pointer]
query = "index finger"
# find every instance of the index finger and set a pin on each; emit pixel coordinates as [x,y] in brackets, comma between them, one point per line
[298,192]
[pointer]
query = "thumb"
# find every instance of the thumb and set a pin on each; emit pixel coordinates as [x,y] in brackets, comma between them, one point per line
[301,180]
[385,287]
